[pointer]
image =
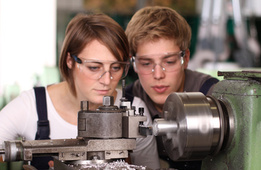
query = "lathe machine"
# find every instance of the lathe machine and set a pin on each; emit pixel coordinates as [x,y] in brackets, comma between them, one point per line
[223,130]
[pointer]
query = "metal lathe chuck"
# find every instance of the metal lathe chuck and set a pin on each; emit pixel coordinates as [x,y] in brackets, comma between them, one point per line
[193,127]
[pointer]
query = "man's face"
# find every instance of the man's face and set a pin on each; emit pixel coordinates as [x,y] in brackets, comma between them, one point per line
[160,68]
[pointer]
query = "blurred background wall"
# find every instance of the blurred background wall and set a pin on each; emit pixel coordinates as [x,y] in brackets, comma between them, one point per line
[27,45]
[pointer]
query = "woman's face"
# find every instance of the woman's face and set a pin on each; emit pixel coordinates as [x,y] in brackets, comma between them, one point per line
[97,74]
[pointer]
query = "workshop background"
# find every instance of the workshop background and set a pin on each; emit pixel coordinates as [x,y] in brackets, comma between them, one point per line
[225,36]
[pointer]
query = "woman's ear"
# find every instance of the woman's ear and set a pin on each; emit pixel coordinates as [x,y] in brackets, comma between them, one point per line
[69,61]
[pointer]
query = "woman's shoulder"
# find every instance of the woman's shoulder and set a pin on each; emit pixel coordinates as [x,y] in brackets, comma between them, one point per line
[26,96]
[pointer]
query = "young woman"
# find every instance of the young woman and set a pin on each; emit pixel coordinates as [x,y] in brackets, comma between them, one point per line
[93,59]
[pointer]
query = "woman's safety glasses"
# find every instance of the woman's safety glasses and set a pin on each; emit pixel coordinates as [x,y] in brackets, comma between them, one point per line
[95,69]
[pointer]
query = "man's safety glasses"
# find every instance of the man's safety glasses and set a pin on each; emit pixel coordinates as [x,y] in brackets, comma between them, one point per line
[170,62]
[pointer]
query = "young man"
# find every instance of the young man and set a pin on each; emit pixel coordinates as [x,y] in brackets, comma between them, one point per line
[159,42]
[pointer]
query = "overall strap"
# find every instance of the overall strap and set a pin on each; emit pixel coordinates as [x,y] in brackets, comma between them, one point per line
[207,84]
[43,129]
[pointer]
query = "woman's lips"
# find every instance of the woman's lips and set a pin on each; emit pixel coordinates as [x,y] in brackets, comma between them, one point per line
[102,92]
[160,89]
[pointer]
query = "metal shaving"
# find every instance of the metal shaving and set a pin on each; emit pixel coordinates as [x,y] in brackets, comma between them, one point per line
[119,165]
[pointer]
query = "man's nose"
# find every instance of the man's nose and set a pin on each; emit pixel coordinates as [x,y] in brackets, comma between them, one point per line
[158,71]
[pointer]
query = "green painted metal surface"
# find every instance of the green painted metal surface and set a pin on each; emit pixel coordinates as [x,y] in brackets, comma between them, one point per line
[11,165]
[241,92]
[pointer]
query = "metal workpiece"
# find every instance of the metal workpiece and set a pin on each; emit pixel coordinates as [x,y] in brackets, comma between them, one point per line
[164,127]
[193,126]
[69,149]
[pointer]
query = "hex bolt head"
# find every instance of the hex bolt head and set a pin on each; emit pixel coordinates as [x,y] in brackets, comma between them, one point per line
[108,101]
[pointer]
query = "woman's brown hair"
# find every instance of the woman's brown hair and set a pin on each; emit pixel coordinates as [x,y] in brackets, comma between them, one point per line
[83,29]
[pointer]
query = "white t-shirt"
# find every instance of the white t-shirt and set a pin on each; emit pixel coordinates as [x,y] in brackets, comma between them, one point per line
[19,119]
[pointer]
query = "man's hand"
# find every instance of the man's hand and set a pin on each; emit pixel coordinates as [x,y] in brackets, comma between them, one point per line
[51,164]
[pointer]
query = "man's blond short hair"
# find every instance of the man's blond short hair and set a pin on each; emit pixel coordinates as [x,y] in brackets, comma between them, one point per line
[155,22]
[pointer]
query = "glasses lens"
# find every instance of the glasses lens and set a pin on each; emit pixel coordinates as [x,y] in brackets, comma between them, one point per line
[119,70]
[95,69]
[145,64]
[171,63]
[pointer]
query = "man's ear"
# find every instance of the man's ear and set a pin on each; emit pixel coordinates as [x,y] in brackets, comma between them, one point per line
[69,61]
[133,64]
[186,58]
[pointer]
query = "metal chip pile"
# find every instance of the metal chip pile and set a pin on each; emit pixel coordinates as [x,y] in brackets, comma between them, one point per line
[119,165]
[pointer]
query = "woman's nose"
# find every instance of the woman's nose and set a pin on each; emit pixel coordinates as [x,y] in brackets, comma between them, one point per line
[106,78]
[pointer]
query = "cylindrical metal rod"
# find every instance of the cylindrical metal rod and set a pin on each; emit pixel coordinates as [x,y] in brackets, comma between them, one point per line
[162,127]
